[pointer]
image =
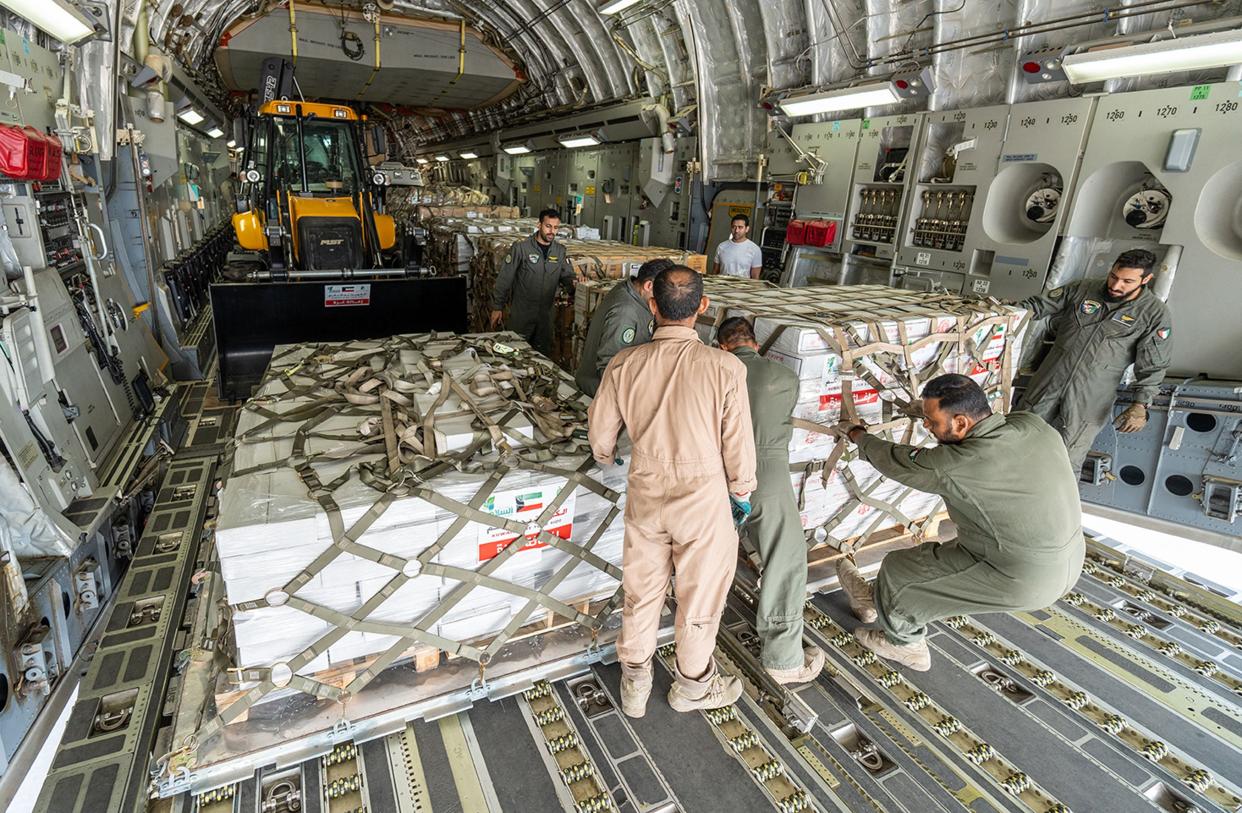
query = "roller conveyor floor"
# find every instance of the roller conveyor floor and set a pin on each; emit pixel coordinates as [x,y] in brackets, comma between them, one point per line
[1124,696]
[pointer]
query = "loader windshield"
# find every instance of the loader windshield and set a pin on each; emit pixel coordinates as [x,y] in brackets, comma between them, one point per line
[330,153]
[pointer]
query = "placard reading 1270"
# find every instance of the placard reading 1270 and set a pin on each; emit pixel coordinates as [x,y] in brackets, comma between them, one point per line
[345,296]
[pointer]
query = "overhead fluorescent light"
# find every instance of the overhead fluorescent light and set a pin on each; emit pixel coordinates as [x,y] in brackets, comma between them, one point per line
[442,158]
[1191,53]
[231,143]
[190,116]
[613,6]
[422,160]
[852,98]
[516,149]
[468,155]
[576,140]
[215,132]
[61,20]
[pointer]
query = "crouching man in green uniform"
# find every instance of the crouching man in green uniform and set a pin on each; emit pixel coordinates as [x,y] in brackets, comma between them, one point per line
[621,320]
[1007,485]
[1101,327]
[774,524]
[532,270]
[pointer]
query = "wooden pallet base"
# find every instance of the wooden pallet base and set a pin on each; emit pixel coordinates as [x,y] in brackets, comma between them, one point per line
[423,658]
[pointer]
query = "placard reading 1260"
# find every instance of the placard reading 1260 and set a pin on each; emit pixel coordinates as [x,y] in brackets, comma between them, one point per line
[346,296]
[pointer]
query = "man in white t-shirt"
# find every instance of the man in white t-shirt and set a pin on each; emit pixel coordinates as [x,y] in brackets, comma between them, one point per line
[737,256]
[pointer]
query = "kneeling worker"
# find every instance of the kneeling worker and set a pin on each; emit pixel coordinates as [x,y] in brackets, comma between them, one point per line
[1006,483]
[622,319]
[774,524]
[684,406]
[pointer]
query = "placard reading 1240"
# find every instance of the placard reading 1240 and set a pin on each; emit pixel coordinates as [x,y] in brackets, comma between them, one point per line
[345,296]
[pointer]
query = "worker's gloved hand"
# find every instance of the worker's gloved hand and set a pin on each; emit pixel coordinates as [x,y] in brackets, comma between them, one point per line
[741,508]
[842,429]
[1132,420]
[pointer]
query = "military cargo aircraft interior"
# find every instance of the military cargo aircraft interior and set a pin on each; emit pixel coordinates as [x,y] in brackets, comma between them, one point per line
[644,406]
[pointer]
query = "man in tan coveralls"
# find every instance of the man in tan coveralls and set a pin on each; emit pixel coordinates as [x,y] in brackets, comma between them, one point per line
[685,407]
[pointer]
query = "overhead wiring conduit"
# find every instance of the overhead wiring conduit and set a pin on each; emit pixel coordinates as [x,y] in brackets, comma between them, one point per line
[1031,29]
[376,68]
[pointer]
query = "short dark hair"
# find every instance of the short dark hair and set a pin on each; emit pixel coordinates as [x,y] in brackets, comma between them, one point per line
[735,329]
[739,216]
[959,395]
[649,269]
[677,292]
[1139,258]
[546,213]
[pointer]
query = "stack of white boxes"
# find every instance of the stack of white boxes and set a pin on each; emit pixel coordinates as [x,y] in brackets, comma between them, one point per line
[271,529]
[980,340]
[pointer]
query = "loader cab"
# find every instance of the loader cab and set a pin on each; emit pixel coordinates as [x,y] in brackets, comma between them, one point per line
[308,201]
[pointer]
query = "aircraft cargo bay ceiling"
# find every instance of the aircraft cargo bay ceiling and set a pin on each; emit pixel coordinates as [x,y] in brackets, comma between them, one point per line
[711,62]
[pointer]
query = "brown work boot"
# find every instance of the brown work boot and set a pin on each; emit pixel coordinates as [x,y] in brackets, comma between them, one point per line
[916,656]
[812,665]
[636,684]
[857,590]
[718,691]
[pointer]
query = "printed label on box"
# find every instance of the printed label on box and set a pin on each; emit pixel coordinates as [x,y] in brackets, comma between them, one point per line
[525,506]
[345,296]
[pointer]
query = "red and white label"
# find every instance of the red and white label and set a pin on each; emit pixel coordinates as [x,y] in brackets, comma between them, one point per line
[346,296]
[525,505]
[831,401]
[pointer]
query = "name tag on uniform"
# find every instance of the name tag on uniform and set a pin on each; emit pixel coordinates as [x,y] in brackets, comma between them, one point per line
[551,258]
[1124,318]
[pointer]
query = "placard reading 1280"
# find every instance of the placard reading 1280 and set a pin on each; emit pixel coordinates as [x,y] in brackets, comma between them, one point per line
[345,296]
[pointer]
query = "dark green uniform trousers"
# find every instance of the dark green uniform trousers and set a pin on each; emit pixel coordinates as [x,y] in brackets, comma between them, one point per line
[933,581]
[775,528]
[1008,487]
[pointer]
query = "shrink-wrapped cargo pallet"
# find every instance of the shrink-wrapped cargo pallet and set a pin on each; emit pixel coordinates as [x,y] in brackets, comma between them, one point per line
[721,290]
[419,493]
[452,241]
[591,260]
[863,353]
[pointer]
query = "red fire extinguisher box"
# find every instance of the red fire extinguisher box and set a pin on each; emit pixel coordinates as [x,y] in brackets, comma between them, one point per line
[821,232]
[14,153]
[795,233]
[55,152]
[36,154]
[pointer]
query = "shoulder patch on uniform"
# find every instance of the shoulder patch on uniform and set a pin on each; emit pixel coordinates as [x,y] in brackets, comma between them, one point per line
[1164,333]
[627,335]
[1089,306]
[651,327]
[509,257]
[1056,293]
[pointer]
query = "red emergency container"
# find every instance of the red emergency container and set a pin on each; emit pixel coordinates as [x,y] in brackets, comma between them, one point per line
[37,150]
[821,232]
[14,153]
[55,152]
[795,233]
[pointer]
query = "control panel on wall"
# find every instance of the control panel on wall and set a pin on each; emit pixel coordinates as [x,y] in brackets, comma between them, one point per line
[881,179]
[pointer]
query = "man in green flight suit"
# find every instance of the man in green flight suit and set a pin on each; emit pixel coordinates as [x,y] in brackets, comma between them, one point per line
[532,270]
[621,320]
[1006,483]
[774,524]
[1101,328]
